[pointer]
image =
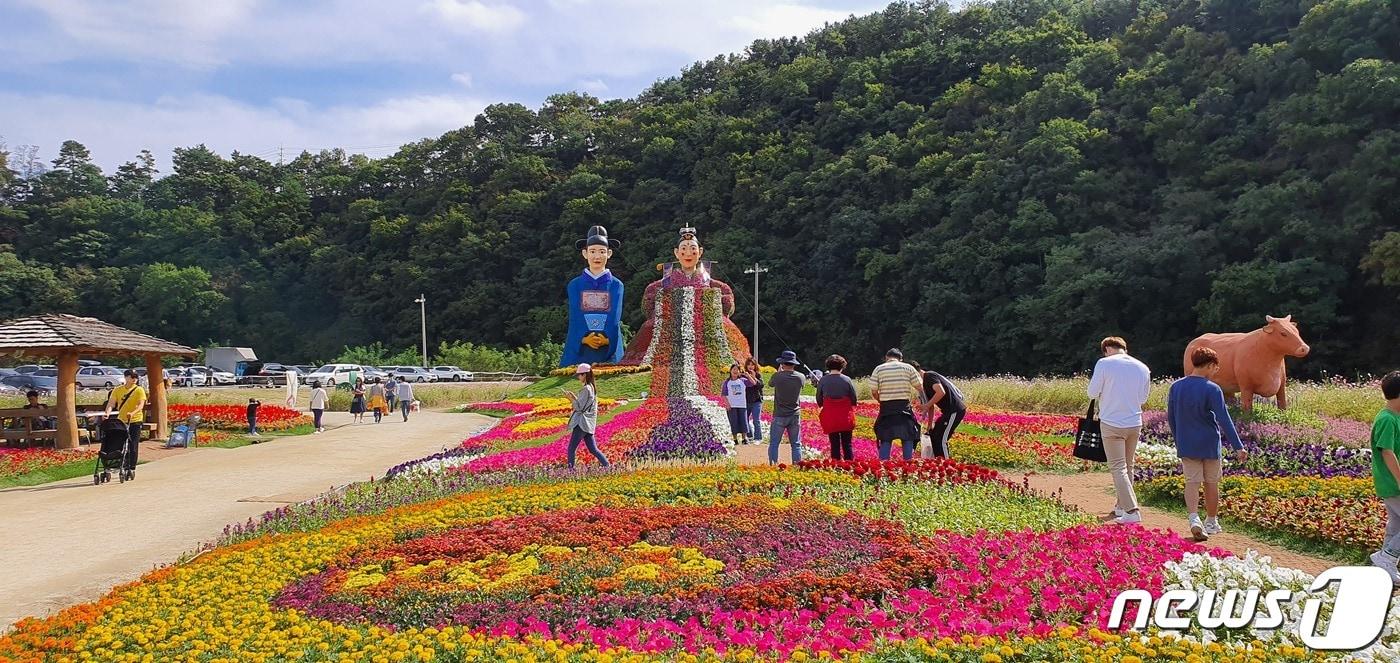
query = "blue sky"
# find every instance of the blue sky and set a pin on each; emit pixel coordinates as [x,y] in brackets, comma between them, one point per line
[366,75]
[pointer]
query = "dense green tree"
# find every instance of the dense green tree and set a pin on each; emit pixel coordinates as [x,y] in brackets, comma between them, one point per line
[994,188]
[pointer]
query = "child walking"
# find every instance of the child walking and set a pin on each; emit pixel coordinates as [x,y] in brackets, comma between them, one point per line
[1197,415]
[736,395]
[1385,472]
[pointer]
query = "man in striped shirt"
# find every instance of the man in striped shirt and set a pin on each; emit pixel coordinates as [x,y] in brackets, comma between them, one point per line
[894,383]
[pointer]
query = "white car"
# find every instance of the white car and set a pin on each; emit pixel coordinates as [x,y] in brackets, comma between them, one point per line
[333,374]
[451,374]
[184,377]
[99,377]
[412,374]
[214,375]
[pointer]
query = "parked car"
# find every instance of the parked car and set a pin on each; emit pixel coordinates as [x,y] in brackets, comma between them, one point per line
[413,374]
[8,371]
[29,368]
[40,383]
[184,377]
[372,373]
[99,377]
[214,376]
[451,374]
[275,369]
[333,374]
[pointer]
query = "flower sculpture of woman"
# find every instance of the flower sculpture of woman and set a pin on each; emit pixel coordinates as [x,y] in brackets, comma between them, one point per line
[595,305]
[688,326]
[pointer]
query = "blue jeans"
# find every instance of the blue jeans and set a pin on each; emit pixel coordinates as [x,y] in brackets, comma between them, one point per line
[316,417]
[252,425]
[587,439]
[405,405]
[908,448]
[756,420]
[792,425]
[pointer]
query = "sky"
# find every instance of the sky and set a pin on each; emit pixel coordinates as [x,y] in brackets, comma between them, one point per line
[257,76]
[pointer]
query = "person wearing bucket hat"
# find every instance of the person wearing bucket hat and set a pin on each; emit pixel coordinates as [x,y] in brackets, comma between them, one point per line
[787,414]
[595,305]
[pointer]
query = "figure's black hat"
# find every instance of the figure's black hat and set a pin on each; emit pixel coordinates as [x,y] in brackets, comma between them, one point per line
[597,236]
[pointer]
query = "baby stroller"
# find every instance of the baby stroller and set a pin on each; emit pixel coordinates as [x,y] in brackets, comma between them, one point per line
[112,455]
[185,434]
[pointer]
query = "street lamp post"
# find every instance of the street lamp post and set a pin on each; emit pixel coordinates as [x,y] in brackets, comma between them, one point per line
[755,270]
[422,303]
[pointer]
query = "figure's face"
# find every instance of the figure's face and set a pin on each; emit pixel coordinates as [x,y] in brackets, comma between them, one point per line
[688,253]
[597,257]
[34,399]
[733,372]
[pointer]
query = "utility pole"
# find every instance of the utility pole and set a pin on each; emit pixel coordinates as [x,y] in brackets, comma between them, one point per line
[422,303]
[755,270]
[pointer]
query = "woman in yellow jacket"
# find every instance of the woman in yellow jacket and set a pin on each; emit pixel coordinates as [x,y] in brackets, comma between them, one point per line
[129,400]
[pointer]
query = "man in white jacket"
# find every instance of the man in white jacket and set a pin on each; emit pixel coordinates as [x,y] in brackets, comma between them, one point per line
[1120,385]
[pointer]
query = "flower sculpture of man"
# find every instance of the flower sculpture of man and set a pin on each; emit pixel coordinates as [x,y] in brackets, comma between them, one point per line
[595,305]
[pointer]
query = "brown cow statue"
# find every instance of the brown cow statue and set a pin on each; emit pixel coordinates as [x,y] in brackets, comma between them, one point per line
[1252,363]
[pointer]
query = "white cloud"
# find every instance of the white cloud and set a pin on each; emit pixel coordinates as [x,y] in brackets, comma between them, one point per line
[476,16]
[463,79]
[594,86]
[115,131]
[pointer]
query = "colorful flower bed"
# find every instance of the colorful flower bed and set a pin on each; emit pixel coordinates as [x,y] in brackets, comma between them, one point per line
[668,564]
[1310,483]
[601,370]
[16,462]
[235,417]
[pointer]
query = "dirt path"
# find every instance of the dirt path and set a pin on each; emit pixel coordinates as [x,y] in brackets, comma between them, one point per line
[70,541]
[1093,493]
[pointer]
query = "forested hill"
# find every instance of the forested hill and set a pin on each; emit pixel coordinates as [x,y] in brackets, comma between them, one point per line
[993,188]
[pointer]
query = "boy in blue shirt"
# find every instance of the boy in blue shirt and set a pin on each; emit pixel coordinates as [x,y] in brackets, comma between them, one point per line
[1197,415]
[1385,439]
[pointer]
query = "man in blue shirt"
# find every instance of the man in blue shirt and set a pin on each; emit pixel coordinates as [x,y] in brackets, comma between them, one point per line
[1197,415]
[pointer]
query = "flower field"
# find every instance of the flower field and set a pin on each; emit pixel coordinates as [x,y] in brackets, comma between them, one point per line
[1310,482]
[16,462]
[686,563]
[235,417]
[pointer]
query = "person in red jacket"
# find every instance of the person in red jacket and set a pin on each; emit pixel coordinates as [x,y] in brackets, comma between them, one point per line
[836,396]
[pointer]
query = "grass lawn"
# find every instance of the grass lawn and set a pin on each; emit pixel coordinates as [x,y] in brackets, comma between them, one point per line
[243,440]
[609,386]
[77,468]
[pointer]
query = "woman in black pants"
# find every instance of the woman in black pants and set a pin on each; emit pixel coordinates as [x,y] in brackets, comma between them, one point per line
[836,396]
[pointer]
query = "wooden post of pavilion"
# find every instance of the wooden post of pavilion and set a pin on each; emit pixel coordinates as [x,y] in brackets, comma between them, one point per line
[67,400]
[66,337]
[155,381]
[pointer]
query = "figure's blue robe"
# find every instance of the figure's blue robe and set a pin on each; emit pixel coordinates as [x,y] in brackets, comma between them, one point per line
[595,305]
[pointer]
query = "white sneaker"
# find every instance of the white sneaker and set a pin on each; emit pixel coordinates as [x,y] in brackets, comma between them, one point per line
[1198,531]
[1117,513]
[1379,558]
[1213,526]
[1129,518]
